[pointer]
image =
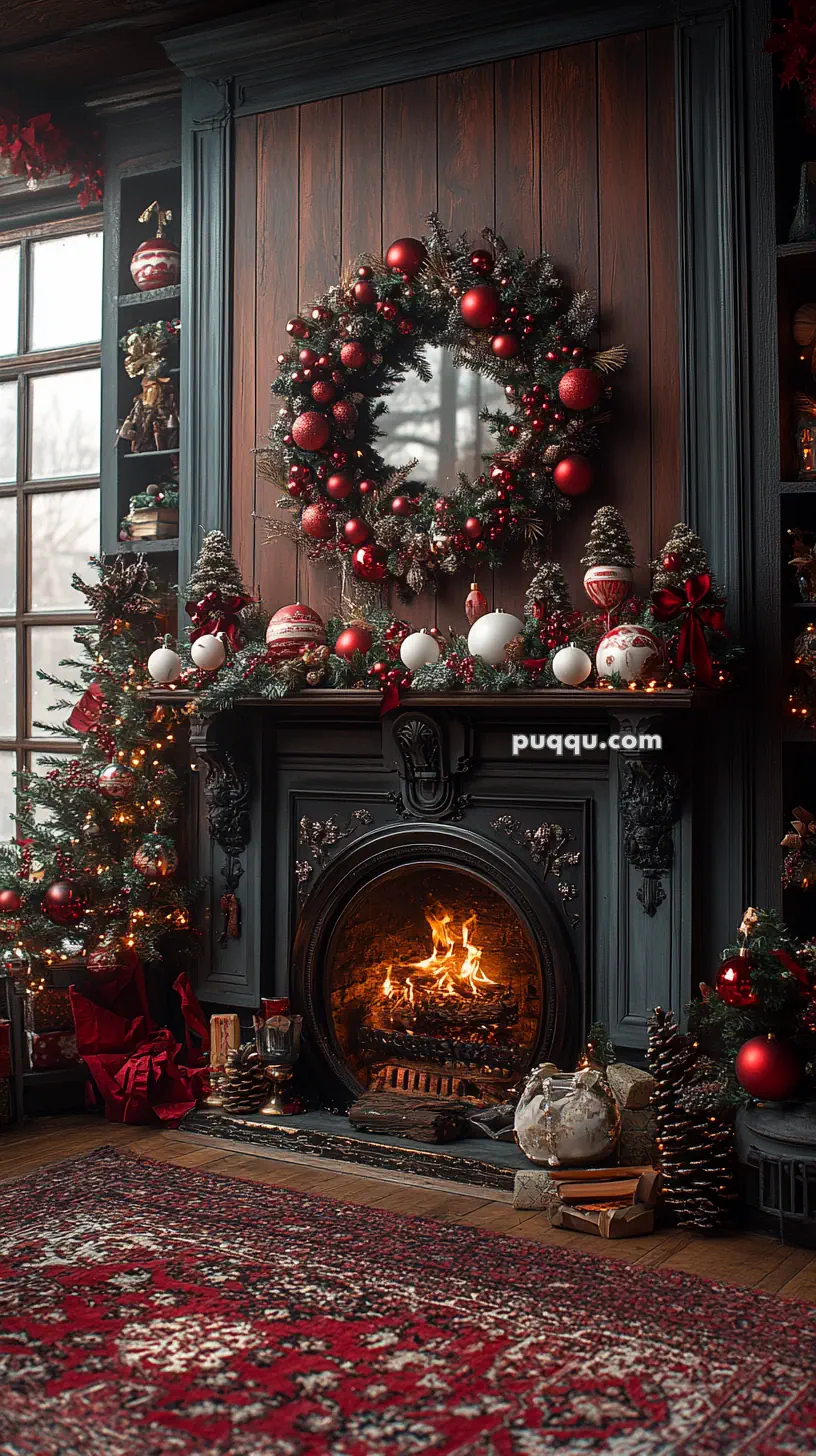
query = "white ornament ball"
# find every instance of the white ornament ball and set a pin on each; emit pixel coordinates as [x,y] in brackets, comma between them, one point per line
[164,665]
[419,649]
[208,652]
[571,665]
[628,651]
[489,636]
[608,586]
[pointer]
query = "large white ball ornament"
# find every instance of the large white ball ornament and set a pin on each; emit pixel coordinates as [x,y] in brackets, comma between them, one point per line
[164,665]
[419,649]
[489,636]
[571,665]
[208,652]
[628,651]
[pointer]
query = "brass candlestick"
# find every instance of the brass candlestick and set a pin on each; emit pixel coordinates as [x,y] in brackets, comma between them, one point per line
[214,1097]
[278,1042]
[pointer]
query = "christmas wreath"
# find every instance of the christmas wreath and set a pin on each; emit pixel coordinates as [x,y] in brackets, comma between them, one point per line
[500,314]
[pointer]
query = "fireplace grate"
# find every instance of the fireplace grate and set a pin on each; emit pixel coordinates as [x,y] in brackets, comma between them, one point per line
[414,1082]
[407,1047]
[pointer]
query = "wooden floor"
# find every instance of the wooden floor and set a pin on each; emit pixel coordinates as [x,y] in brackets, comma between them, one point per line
[752,1261]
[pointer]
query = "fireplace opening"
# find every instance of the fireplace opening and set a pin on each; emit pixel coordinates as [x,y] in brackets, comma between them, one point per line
[432,983]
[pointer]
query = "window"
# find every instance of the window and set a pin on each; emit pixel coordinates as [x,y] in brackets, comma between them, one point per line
[50,330]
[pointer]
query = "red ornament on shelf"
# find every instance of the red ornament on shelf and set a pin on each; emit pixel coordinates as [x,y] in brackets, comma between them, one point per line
[768,1069]
[354,638]
[406,255]
[291,629]
[356,531]
[316,522]
[310,431]
[476,604]
[354,354]
[734,982]
[481,261]
[505,346]
[370,563]
[479,306]
[580,389]
[573,475]
[157,261]
[63,904]
[339,486]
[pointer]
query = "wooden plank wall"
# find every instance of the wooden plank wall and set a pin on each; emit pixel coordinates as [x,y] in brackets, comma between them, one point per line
[572,150]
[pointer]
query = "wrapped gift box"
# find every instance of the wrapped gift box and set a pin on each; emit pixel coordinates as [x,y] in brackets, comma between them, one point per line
[48,1010]
[5,1048]
[48,1050]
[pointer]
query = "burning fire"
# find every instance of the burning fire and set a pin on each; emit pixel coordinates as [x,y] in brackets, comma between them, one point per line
[452,969]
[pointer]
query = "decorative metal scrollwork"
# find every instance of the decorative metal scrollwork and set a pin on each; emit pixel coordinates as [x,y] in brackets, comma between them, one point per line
[650,807]
[318,836]
[547,847]
[227,790]
[428,790]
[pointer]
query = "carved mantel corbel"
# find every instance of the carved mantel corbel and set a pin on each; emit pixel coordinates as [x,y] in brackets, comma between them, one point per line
[650,806]
[430,759]
[227,791]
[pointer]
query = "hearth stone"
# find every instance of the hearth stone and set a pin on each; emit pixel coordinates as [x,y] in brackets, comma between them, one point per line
[478,1161]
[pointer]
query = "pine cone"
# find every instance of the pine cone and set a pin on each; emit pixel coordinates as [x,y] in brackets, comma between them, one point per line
[244,1087]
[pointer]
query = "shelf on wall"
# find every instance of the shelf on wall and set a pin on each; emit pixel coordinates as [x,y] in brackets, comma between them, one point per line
[149,295]
[147,454]
[795,250]
[147,547]
[803,607]
[797,487]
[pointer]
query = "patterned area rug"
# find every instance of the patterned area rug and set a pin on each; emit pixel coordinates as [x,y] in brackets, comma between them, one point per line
[148,1310]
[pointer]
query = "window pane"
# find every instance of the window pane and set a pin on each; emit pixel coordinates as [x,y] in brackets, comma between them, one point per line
[64,527]
[65,425]
[66,303]
[8,553]
[8,431]
[46,647]
[8,682]
[9,299]
[8,765]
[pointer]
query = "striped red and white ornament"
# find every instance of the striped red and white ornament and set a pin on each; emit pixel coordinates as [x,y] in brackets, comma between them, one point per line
[156,264]
[291,629]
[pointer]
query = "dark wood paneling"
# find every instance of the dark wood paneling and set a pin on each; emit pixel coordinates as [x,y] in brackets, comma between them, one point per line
[572,150]
[243,354]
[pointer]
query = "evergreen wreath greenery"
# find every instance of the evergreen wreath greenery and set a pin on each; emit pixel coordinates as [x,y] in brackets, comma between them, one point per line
[417,533]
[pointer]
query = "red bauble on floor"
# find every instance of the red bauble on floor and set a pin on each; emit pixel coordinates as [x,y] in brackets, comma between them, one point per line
[768,1069]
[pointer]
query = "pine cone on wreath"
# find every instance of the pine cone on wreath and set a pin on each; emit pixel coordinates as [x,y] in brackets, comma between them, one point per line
[244,1087]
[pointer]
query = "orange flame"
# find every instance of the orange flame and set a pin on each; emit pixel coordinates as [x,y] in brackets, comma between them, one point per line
[450,975]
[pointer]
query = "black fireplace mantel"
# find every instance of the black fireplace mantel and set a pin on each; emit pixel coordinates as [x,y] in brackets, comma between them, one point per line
[289,784]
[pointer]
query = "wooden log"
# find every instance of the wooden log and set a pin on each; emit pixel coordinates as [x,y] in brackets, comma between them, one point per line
[426,1119]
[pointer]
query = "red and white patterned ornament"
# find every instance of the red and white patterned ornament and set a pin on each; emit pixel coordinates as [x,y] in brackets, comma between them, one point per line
[291,629]
[627,651]
[608,586]
[157,261]
[117,782]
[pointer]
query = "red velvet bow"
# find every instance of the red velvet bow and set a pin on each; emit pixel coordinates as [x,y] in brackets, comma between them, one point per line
[216,613]
[691,646]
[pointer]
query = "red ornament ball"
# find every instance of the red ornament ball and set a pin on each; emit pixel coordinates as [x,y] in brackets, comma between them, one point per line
[355,638]
[316,522]
[768,1069]
[505,346]
[310,430]
[354,354]
[356,531]
[406,255]
[308,358]
[479,306]
[323,391]
[580,389]
[367,487]
[345,413]
[671,561]
[473,528]
[10,902]
[364,292]
[573,475]
[370,563]
[401,505]
[117,782]
[481,261]
[62,903]
[297,328]
[734,982]
[291,629]
[339,486]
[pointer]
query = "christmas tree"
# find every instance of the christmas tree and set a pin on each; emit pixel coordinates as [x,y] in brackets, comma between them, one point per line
[215,570]
[608,543]
[548,591]
[683,555]
[93,871]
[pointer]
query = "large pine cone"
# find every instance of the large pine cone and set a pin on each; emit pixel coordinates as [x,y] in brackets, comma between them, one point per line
[244,1087]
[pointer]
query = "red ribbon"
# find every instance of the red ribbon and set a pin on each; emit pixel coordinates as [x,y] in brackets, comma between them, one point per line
[85,713]
[691,645]
[216,613]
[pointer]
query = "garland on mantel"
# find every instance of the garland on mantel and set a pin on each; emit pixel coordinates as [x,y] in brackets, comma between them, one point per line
[38,146]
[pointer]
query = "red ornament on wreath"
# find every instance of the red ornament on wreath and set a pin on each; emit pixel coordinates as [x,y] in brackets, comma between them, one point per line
[291,629]
[580,389]
[370,563]
[768,1069]
[310,431]
[10,902]
[481,261]
[63,904]
[354,638]
[505,346]
[323,391]
[473,528]
[339,486]
[345,414]
[406,255]
[354,354]
[356,531]
[734,982]
[479,306]
[316,522]
[364,292]
[117,782]
[573,475]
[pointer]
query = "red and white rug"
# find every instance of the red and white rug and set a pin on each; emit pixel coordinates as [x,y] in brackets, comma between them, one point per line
[147,1310]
